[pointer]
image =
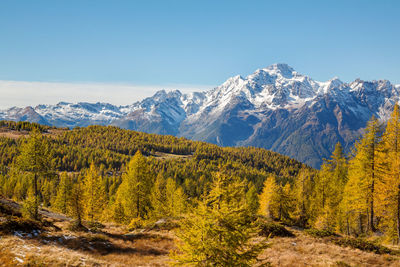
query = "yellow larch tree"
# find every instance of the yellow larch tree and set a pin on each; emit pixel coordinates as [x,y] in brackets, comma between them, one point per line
[304,194]
[388,186]
[134,192]
[269,188]
[359,193]
[329,187]
[93,194]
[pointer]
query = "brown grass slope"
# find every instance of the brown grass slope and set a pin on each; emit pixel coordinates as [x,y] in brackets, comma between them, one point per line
[51,243]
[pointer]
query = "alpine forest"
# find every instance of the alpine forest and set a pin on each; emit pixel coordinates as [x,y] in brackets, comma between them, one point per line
[107,189]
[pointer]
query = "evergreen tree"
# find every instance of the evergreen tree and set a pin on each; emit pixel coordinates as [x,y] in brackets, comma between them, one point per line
[219,231]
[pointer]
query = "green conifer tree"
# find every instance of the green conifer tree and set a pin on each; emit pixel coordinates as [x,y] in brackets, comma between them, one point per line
[219,231]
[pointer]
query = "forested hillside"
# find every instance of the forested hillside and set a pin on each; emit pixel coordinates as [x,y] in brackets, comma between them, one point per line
[110,149]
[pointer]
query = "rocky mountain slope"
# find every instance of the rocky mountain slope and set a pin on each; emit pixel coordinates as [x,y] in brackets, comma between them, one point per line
[275,108]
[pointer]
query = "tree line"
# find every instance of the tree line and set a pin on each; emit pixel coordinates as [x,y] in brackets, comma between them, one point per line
[103,173]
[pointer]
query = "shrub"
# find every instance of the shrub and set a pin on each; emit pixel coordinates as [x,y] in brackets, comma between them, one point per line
[75,226]
[97,238]
[29,207]
[7,210]
[95,226]
[14,224]
[34,261]
[135,224]
[271,229]
[342,264]
[364,245]
[320,233]
[163,224]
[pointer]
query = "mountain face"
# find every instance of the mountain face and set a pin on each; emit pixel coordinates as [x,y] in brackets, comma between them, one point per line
[274,108]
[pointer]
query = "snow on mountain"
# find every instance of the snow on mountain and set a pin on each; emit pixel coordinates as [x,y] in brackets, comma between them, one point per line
[274,107]
[277,86]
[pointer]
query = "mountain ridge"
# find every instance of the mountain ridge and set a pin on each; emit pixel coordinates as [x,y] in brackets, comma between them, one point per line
[275,108]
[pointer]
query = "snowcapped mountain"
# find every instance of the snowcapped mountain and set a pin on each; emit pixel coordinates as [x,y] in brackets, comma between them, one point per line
[276,108]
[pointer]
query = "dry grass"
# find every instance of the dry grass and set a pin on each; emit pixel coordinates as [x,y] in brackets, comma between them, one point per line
[115,246]
[149,249]
[161,155]
[112,247]
[13,134]
[15,251]
[17,134]
[86,249]
[304,250]
[58,246]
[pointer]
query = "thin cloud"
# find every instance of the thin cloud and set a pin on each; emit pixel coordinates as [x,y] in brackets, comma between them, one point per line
[25,93]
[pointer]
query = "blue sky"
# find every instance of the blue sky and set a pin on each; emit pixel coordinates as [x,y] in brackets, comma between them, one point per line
[189,44]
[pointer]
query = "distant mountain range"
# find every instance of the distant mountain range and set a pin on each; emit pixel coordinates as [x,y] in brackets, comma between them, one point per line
[274,108]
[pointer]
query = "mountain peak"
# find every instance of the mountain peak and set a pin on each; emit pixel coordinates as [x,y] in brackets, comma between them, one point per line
[335,81]
[280,68]
[161,92]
